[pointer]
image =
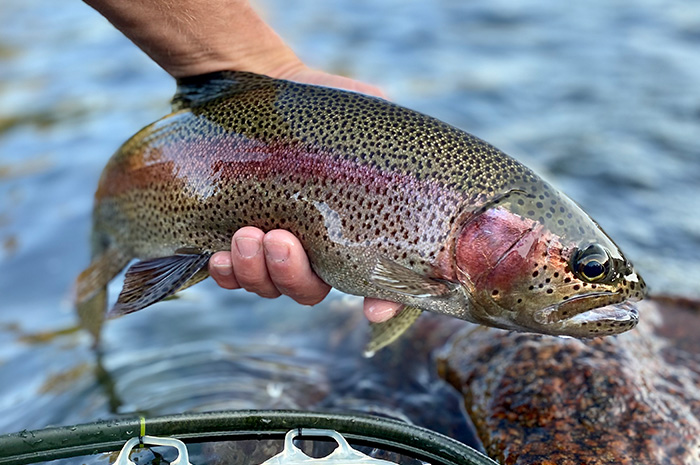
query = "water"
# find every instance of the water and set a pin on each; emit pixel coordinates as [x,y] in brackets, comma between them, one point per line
[602,100]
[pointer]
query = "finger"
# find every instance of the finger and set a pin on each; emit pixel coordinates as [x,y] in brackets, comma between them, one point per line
[312,76]
[221,269]
[379,311]
[289,268]
[248,260]
[351,84]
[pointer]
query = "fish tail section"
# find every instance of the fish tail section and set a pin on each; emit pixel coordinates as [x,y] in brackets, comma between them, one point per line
[91,313]
[387,332]
[150,281]
[91,289]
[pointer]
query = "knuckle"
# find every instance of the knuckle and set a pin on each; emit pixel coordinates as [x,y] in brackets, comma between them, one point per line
[252,277]
[309,299]
[257,285]
[268,294]
[228,284]
[288,282]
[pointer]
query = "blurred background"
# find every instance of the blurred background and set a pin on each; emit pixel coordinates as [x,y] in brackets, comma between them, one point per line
[601,98]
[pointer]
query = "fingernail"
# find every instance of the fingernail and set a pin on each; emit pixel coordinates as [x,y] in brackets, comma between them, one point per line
[223,268]
[277,251]
[247,248]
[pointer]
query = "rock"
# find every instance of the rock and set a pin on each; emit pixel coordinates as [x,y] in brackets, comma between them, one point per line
[629,399]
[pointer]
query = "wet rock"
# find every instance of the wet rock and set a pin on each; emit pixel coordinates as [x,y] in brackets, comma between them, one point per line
[629,399]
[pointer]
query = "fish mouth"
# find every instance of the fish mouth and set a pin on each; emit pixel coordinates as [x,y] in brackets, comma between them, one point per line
[590,307]
[603,321]
[622,312]
[587,316]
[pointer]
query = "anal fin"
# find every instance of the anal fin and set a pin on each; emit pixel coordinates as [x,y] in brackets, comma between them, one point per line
[150,281]
[387,332]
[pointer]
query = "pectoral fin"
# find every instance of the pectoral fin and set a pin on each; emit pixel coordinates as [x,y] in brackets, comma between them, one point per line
[150,281]
[396,278]
[385,333]
[199,276]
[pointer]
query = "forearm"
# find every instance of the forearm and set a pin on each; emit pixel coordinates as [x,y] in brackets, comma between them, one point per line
[188,37]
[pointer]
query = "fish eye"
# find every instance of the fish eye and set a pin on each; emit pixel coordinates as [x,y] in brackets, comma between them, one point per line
[592,264]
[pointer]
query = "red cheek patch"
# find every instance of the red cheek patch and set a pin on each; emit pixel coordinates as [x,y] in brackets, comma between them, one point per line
[494,249]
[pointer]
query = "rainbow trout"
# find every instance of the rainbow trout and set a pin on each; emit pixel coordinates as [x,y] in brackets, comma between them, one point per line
[388,203]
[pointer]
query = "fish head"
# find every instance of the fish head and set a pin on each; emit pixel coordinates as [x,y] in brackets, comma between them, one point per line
[538,263]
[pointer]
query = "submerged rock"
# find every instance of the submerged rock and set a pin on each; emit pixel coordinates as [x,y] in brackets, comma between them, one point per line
[628,399]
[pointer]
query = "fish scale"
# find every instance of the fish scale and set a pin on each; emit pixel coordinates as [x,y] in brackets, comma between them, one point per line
[387,202]
[367,131]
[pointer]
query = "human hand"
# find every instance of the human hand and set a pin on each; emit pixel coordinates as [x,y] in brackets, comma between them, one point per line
[275,263]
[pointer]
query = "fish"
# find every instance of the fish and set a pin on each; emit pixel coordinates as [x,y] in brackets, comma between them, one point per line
[387,202]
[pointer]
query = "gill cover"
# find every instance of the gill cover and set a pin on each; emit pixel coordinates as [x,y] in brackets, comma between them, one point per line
[526,251]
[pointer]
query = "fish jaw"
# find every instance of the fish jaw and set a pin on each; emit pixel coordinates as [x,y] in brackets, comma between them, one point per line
[596,314]
[585,316]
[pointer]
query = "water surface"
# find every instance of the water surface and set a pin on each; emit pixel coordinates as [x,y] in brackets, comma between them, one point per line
[602,99]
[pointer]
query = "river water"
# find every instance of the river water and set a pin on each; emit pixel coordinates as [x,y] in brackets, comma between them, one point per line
[601,98]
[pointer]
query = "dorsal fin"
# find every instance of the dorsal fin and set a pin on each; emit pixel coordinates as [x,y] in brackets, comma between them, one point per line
[197,90]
